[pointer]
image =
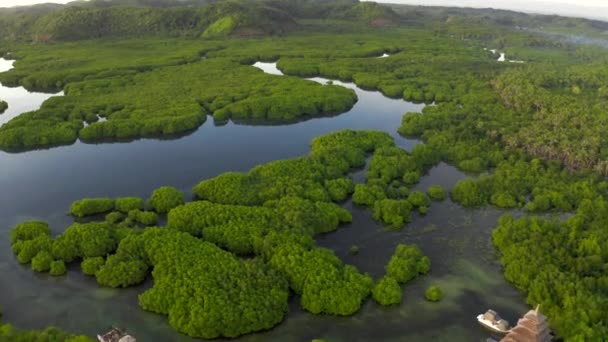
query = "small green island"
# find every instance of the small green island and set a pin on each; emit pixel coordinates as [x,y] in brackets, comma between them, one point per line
[296,196]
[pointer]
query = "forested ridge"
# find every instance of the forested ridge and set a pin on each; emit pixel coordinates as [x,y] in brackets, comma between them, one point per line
[533,131]
[198,18]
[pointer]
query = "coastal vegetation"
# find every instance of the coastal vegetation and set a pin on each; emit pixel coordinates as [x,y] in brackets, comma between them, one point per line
[387,292]
[433,294]
[270,214]
[529,135]
[164,199]
[570,250]
[91,206]
[126,204]
[134,108]
[10,333]
[407,263]
[3,106]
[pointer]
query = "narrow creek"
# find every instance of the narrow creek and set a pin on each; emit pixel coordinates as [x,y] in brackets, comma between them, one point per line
[19,99]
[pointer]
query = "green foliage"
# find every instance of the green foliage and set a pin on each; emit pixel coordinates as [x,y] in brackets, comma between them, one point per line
[85,241]
[557,263]
[419,199]
[354,250]
[228,222]
[486,115]
[407,263]
[339,189]
[26,250]
[145,218]
[57,268]
[436,193]
[42,261]
[166,198]
[126,204]
[90,266]
[368,194]
[393,213]
[91,206]
[29,231]
[203,289]
[318,177]
[3,106]
[114,217]
[119,271]
[10,333]
[222,27]
[411,177]
[433,294]
[387,292]
[391,170]
[162,103]
[325,285]
[99,19]
[469,193]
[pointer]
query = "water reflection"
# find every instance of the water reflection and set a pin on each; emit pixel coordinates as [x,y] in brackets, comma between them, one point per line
[19,99]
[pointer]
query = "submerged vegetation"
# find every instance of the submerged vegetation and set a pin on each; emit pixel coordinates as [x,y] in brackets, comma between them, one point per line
[530,135]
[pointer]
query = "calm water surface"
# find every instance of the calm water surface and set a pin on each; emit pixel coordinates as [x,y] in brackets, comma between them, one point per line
[42,184]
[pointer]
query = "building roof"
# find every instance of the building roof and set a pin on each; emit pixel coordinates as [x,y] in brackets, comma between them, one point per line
[533,327]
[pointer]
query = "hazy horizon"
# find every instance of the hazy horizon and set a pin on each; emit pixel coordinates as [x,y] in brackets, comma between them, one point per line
[594,9]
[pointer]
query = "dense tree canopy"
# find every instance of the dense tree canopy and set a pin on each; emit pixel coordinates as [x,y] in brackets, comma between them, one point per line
[10,333]
[270,215]
[407,263]
[487,117]
[3,106]
[91,206]
[562,266]
[165,198]
[205,291]
[126,204]
[387,292]
[163,103]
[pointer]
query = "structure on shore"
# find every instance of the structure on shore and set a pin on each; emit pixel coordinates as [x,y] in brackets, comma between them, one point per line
[493,322]
[533,327]
[116,335]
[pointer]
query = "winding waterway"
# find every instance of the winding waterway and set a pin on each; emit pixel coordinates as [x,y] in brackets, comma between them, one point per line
[19,100]
[42,184]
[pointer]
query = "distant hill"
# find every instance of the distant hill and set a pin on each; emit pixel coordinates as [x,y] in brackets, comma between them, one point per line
[195,18]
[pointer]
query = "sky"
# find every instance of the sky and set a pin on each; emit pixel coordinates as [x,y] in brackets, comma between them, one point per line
[596,9]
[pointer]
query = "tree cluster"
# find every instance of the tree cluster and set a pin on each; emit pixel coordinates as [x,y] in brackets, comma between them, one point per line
[10,333]
[407,263]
